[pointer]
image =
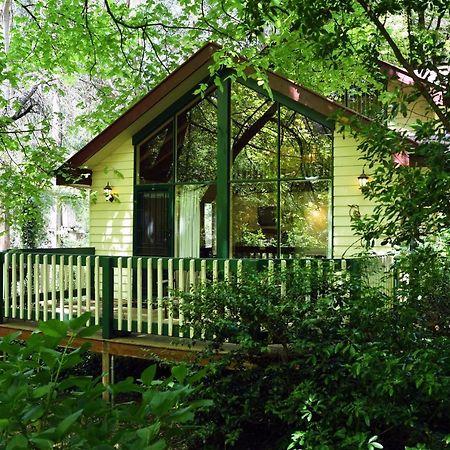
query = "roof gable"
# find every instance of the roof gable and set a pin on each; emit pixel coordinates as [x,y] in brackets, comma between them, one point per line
[195,67]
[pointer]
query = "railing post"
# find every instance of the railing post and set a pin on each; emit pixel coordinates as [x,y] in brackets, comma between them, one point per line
[107,297]
[355,268]
[2,261]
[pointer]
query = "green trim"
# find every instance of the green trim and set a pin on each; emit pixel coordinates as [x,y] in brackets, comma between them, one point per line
[223,170]
[289,103]
[107,297]
[168,113]
[281,180]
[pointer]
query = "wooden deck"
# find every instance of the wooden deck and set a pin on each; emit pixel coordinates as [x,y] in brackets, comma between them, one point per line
[133,345]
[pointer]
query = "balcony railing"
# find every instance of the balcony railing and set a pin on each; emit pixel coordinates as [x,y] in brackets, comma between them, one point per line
[142,294]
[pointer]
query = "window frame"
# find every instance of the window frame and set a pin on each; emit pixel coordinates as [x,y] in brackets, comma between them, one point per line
[223,180]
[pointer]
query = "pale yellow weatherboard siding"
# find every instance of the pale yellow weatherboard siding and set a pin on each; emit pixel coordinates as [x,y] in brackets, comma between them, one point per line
[111,224]
[417,110]
[346,167]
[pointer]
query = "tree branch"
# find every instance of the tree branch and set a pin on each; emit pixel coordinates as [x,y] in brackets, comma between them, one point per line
[29,12]
[419,83]
[145,25]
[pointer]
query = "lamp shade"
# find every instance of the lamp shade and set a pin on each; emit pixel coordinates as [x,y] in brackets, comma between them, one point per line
[363,179]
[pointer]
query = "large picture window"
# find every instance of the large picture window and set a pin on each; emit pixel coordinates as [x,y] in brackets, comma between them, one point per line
[276,197]
[281,179]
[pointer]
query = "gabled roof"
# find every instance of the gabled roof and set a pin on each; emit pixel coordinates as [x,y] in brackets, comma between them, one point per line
[202,58]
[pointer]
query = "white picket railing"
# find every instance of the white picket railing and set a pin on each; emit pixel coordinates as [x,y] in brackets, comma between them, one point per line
[136,294]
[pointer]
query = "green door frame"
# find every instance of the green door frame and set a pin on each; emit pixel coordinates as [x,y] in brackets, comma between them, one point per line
[138,189]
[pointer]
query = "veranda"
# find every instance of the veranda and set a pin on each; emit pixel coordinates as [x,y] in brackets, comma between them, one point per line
[142,296]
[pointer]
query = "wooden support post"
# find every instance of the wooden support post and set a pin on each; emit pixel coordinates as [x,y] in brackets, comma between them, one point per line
[107,297]
[112,377]
[106,370]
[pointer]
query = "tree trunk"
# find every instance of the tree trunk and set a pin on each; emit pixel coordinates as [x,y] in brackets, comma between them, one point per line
[5,235]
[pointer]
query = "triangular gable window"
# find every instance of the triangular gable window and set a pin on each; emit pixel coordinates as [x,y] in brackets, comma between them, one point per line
[275,194]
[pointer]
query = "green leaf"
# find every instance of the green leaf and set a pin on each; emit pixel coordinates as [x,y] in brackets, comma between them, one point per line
[4,423]
[179,372]
[41,391]
[64,426]
[127,385]
[79,322]
[162,402]
[54,328]
[88,331]
[182,415]
[42,444]
[147,434]
[148,375]
[198,375]
[201,403]
[33,413]
[18,442]
[49,356]
[159,445]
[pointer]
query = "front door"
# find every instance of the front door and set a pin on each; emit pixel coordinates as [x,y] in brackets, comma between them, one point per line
[153,222]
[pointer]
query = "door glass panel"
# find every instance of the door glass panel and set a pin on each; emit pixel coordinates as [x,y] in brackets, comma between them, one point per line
[153,234]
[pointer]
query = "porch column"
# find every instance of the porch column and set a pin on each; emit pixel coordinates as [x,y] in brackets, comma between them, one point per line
[223,169]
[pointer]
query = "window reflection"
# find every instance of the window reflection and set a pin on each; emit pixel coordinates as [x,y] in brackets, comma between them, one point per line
[255,137]
[254,220]
[304,218]
[305,146]
[156,157]
[287,158]
[197,142]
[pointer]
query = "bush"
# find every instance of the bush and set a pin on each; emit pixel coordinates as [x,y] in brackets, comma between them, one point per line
[43,406]
[337,366]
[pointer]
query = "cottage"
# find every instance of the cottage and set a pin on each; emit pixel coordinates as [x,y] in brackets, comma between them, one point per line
[195,188]
[229,173]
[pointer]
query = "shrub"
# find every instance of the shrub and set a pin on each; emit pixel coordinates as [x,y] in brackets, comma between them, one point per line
[43,406]
[337,366]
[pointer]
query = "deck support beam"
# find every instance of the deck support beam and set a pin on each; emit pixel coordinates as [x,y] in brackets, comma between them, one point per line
[106,370]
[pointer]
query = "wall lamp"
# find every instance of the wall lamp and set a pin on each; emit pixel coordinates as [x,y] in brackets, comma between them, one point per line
[363,179]
[108,191]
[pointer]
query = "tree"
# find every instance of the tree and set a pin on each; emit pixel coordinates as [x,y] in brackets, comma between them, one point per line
[110,53]
[336,45]
[67,70]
